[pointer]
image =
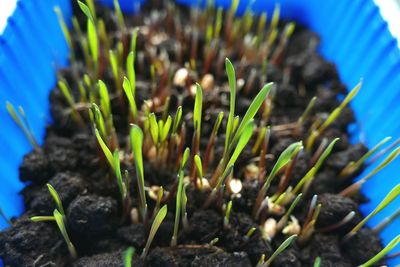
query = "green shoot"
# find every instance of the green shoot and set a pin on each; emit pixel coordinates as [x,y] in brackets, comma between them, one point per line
[128,254]
[106,150]
[130,94]
[65,31]
[218,23]
[306,112]
[350,190]
[22,124]
[244,139]
[185,221]
[250,233]
[282,222]
[198,109]
[285,244]
[123,188]
[174,239]
[136,136]
[199,166]
[60,223]
[91,33]
[130,62]
[275,17]
[214,241]
[120,16]
[154,129]
[227,214]
[56,198]
[177,120]
[42,219]
[393,194]
[105,103]
[332,116]
[284,158]
[392,244]
[232,85]
[66,91]
[154,227]
[115,69]
[317,262]
[352,166]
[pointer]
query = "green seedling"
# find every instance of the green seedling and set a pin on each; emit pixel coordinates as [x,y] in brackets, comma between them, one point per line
[154,129]
[260,138]
[306,112]
[22,123]
[66,32]
[177,120]
[123,186]
[386,221]
[309,224]
[60,219]
[332,117]
[199,167]
[130,94]
[91,33]
[317,262]
[285,244]
[284,219]
[185,221]
[213,242]
[115,68]
[392,195]
[352,166]
[285,157]
[107,152]
[179,201]
[250,233]
[136,138]
[227,214]
[392,244]
[218,23]
[354,188]
[128,254]
[154,227]
[120,16]
[66,91]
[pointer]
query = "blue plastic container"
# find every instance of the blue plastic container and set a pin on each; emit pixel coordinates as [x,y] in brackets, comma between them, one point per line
[353,35]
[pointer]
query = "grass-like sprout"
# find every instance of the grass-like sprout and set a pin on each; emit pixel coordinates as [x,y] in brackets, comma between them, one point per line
[59,218]
[250,233]
[211,140]
[22,123]
[128,254]
[306,112]
[284,158]
[107,152]
[317,262]
[386,221]
[332,117]
[392,195]
[120,16]
[154,227]
[66,91]
[66,32]
[392,244]
[179,198]
[123,185]
[130,94]
[115,68]
[355,187]
[352,166]
[284,219]
[91,33]
[199,167]
[136,138]
[285,244]
[185,221]
[227,214]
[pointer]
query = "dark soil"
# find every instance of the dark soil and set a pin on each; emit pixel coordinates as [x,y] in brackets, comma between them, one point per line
[72,162]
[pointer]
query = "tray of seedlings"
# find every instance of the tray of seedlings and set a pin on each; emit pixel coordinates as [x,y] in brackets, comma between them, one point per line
[188,136]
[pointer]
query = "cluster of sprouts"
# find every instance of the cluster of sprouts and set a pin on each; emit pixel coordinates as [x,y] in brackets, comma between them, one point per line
[160,138]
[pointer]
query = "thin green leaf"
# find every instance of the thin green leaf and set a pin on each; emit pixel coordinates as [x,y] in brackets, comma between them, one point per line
[120,182]
[106,150]
[154,227]
[165,129]
[393,194]
[199,165]
[136,136]
[392,244]
[174,239]
[325,154]
[177,119]
[227,213]
[185,158]
[64,29]
[243,140]
[60,223]
[23,125]
[66,91]
[391,157]
[154,128]
[99,120]
[126,85]
[130,71]
[252,110]
[230,70]
[104,99]
[86,10]
[198,103]
[280,249]
[120,16]
[317,262]
[42,218]
[128,254]
[56,198]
